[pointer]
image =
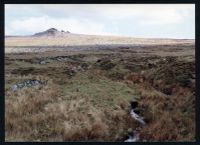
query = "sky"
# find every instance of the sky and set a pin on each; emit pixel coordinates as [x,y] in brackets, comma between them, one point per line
[135,20]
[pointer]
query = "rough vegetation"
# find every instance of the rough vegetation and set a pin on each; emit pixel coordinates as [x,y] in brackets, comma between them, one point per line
[86,95]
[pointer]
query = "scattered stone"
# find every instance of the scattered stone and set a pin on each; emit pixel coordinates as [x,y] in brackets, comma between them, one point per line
[61,58]
[43,62]
[28,83]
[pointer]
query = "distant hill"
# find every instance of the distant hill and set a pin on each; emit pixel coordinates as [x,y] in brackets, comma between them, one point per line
[51,32]
[65,39]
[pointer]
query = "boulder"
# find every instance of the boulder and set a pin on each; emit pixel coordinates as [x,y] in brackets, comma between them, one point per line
[43,62]
[25,84]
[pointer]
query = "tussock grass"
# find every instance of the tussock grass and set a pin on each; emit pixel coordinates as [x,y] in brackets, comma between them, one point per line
[24,110]
[170,118]
[46,114]
[93,104]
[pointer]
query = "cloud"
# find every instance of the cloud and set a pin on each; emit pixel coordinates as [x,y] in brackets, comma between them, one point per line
[148,14]
[35,24]
[112,11]
[103,19]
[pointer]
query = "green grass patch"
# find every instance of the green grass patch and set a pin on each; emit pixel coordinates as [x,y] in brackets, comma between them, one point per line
[101,91]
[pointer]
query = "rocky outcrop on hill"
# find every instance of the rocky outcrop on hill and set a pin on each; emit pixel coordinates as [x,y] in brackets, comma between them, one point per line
[51,32]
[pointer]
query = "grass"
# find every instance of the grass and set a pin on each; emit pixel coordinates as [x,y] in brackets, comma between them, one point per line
[94,104]
[98,111]
[103,91]
[86,40]
[172,115]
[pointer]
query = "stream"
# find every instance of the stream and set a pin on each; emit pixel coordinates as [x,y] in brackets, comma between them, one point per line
[134,137]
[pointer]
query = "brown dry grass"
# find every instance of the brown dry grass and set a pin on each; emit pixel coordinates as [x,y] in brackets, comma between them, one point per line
[93,105]
[87,40]
[41,114]
[170,118]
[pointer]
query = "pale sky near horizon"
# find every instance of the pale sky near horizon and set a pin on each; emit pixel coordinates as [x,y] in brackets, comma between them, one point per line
[136,20]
